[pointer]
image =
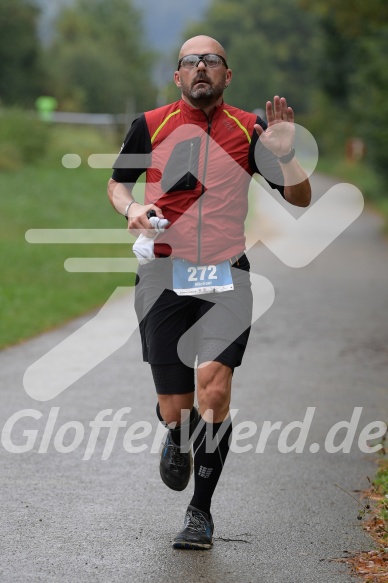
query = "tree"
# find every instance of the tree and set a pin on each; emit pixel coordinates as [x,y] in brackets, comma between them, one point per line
[21,76]
[355,36]
[368,100]
[271,48]
[354,18]
[98,60]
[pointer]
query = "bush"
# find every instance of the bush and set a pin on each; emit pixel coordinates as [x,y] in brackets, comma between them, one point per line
[328,125]
[24,139]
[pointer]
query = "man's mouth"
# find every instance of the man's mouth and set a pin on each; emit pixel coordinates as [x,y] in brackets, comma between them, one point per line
[201,80]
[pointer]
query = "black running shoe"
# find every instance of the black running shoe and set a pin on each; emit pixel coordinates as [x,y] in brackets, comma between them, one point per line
[197,532]
[176,466]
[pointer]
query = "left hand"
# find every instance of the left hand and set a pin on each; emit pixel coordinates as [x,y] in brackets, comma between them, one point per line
[280,133]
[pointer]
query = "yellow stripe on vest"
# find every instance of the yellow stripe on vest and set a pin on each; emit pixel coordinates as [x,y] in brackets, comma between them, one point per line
[244,129]
[163,124]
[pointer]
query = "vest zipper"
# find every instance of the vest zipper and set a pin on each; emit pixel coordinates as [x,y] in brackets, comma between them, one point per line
[209,127]
[189,170]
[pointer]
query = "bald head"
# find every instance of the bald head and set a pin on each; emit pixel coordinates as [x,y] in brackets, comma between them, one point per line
[202,81]
[201,45]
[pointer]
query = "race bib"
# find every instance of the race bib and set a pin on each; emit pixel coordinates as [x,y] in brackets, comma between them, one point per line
[190,279]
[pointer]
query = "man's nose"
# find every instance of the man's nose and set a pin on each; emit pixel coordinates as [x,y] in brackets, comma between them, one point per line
[201,65]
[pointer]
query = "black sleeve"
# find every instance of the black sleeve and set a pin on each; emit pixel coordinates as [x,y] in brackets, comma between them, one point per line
[264,162]
[137,141]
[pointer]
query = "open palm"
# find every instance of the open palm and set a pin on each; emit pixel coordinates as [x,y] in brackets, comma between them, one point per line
[280,133]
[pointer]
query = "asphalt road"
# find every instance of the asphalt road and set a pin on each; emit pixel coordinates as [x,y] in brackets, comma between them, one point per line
[279,517]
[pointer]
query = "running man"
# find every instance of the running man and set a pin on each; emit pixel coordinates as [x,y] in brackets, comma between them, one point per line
[194,299]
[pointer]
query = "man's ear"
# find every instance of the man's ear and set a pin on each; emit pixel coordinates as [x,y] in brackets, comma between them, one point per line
[177,79]
[228,78]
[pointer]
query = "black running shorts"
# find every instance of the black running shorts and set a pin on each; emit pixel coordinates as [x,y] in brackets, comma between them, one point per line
[178,330]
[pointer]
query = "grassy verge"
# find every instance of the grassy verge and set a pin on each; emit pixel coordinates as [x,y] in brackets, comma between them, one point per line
[361,176]
[36,293]
[372,566]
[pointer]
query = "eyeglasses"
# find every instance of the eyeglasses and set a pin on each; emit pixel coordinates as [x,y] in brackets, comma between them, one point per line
[210,60]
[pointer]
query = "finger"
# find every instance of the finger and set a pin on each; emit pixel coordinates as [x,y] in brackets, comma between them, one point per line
[290,114]
[136,231]
[269,112]
[158,211]
[150,233]
[140,226]
[153,207]
[148,225]
[277,107]
[259,129]
[283,105]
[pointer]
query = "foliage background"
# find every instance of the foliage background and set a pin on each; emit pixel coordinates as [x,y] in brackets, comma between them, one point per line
[327,57]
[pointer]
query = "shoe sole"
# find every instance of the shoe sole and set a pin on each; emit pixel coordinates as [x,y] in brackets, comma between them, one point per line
[192,546]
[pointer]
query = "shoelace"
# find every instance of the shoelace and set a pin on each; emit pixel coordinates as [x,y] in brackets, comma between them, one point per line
[195,521]
[175,457]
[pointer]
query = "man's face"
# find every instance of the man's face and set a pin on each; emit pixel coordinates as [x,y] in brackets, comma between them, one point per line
[201,85]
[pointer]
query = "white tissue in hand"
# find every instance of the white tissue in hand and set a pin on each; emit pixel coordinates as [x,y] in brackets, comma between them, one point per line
[159,224]
[143,247]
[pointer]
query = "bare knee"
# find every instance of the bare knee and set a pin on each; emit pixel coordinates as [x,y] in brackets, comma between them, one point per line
[215,400]
[175,409]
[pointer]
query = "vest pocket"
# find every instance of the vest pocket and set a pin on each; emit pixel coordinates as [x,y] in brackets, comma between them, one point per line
[181,170]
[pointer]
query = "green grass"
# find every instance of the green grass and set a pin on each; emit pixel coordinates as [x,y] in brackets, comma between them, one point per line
[380,483]
[36,293]
[381,478]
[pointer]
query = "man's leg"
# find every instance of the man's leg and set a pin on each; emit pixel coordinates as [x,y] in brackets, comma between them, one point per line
[214,391]
[175,409]
[211,446]
[171,406]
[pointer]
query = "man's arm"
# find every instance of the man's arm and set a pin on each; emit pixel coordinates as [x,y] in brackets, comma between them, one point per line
[278,138]
[120,186]
[120,196]
[297,189]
